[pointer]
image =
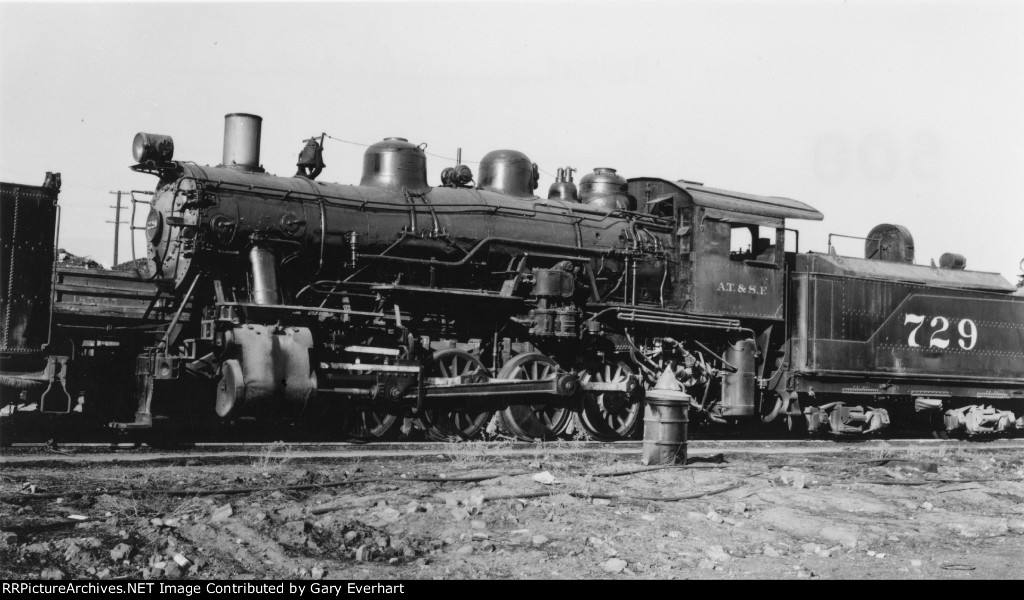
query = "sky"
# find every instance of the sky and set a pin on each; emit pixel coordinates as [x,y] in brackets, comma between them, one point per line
[905,112]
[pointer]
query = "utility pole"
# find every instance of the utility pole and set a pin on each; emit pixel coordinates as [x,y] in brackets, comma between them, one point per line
[117,223]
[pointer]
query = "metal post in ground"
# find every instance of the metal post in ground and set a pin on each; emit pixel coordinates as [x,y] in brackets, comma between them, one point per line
[117,224]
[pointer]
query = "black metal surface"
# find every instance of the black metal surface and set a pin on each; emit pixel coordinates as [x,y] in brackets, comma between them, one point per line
[563,188]
[606,190]
[892,243]
[393,164]
[28,216]
[906,331]
[508,172]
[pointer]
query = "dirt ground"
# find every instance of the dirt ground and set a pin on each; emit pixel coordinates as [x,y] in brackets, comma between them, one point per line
[954,511]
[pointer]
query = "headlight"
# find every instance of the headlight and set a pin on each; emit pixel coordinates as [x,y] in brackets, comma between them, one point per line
[152,147]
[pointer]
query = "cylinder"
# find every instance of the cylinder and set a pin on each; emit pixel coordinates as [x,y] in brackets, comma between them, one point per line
[242,141]
[270,373]
[264,276]
[665,427]
[738,387]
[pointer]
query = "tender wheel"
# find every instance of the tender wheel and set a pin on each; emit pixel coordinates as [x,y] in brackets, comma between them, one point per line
[608,416]
[463,423]
[533,422]
[935,424]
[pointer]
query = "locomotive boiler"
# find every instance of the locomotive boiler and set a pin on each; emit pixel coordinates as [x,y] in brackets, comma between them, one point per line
[394,305]
[392,298]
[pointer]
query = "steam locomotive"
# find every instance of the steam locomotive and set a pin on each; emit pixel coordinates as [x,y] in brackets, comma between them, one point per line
[392,306]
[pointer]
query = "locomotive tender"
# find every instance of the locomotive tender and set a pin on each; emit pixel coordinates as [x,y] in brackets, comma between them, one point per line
[453,309]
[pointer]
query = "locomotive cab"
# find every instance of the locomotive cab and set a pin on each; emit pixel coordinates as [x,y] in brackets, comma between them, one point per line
[731,246]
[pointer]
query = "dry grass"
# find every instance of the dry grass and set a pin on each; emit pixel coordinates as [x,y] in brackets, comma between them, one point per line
[190,505]
[884,453]
[274,458]
[119,506]
[471,453]
[921,454]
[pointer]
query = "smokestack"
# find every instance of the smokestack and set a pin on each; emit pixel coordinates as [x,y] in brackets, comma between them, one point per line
[242,141]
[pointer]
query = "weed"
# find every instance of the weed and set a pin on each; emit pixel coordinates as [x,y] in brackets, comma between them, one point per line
[119,506]
[190,505]
[925,453]
[274,457]
[463,455]
[884,452]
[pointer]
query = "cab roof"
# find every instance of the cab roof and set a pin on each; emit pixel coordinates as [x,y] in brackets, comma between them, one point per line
[724,202]
[767,206]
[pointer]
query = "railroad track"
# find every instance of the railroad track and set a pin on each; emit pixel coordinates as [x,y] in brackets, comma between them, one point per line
[703,450]
[35,429]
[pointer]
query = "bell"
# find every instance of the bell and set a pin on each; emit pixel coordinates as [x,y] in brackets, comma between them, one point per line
[311,160]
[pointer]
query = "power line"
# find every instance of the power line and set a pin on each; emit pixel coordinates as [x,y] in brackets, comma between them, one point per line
[475,162]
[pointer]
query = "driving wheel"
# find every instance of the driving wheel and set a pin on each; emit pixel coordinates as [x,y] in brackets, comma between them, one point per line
[608,416]
[444,424]
[537,421]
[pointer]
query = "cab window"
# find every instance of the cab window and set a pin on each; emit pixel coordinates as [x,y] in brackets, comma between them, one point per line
[740,243]
[753,242]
